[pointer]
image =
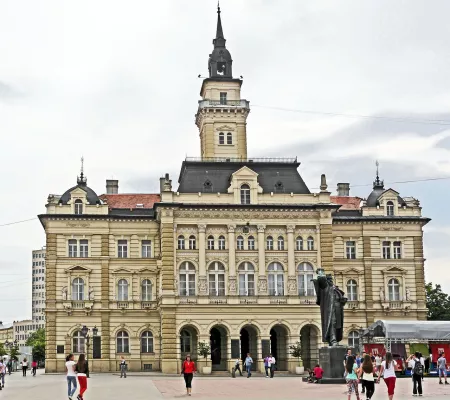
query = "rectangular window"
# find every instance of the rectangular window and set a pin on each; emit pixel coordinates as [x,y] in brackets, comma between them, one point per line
[84,248]
[350,249]
[223,98]
[73,248]
[122,248]
[146,249]
[397,250]
[386,250]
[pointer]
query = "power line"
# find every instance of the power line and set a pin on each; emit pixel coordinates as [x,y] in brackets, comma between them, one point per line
[379,117]
[18,222]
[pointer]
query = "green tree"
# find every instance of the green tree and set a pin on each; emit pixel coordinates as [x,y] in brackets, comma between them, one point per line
[438,303]
[295,350]
[37,341]
[14,353]
[2,350]
[204,350]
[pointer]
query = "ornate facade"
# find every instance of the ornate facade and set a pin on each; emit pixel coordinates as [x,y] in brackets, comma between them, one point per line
[226,259]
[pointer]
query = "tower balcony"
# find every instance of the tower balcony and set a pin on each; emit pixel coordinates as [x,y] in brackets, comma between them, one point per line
[223,104]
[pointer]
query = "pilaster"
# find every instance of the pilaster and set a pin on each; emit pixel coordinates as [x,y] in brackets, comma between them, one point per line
[326,248]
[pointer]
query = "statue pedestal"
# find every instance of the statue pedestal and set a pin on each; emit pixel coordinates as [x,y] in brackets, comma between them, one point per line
[331,359]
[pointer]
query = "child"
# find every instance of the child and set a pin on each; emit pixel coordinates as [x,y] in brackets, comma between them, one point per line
[318,373]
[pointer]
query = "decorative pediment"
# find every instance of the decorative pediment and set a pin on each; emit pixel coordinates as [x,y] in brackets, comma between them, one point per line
[78,192]
[223,128]
[389,194]
[351,271]
[146,270]
[244,172]
[394,270]
[121,271]
[78,269]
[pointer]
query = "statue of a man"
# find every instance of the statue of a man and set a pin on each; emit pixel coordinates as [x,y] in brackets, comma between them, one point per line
[331,300]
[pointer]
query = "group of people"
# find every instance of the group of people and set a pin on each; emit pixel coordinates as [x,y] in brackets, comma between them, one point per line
[7,367]
[74,370]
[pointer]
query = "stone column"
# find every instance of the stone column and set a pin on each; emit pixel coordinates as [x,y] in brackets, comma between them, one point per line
[231,260]
[202,282]
[292,278]
[262,278]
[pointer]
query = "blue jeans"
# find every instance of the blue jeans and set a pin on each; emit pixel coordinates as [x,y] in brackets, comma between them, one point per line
[249,370]
[71,381]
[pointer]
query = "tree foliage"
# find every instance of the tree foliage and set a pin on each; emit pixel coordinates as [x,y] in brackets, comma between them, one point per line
[14,353]
[295,350]
[204,350]
[2,350]
[37,341]
[438,303]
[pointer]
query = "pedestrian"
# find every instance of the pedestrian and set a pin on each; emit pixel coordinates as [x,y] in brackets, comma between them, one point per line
[10,366]
[363,388]
[388,370]
[351,378]
[2,373]
[368,381]
[71,376]
[24,367]
[248,365]
[123,367]
[347,355]
[358,360]
[318,373]
[272,365]
[82,370]
[417,373]
[266,366]
[427,365]
[237,366]
[378,361]
[188,370]
[442,368]
[34,367]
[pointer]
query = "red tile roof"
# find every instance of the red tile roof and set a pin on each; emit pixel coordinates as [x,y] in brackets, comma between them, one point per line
[347,202]
[130,200]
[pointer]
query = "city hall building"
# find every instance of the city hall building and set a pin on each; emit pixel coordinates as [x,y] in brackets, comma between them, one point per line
[225,257]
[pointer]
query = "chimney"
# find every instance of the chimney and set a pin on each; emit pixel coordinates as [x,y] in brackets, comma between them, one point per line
[112,186]
[343,189]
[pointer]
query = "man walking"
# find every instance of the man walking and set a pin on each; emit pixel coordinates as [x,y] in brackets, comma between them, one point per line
[272,365]
[417,373]
[442,368]
[123,367]
[248,365]
[237,366]
[10,366]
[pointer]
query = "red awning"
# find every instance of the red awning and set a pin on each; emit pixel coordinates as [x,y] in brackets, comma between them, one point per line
[438,348]
[375,349]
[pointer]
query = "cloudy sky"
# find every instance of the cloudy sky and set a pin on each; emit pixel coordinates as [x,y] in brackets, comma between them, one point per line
[117,82]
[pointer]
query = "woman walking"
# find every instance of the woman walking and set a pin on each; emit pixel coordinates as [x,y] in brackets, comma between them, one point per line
[71,376]
[368,381]
[188,369]
[352,380]
[24,367]
[388,370]
[82,370]
[33,367]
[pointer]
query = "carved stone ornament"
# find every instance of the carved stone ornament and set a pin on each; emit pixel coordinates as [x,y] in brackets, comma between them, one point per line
[257,214]
[290,228]
[232,284]
[231,228]
[91,293]
[261,228]
[201,227]
[382,298]
[64,293]
[202,285]
[292,285]
[262,284]
[408,294]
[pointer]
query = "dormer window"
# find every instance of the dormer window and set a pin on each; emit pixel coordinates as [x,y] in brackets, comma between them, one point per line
[229,138]
[78,207]
[245,194]
[390,208]
[279,188]
[221,138]
[208,186]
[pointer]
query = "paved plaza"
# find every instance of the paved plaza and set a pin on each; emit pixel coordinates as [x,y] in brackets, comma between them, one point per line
[140,387]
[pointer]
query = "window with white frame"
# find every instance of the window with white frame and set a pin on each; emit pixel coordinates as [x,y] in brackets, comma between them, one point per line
[223,98]
[221,138]
[187,279]
[216,277]
[350,249]
[280,243]
[305,276]
[390,208]
[229,138]
[221,242]
[393,289]
[299,243]
[84,248]
[146,290]
[73,248]
[146,247]
[269,243]
[192,242]
[310,242]
[397,249]
[78,207]
[185,341]
[78,342]
[240,243]
[276,279]
[386,245]
[352,290]
[181,242]
[245,194]
[147,342]
[123,342]
[353,339]
[251,243]
[210,242]
[78,289]
[246,279]
[122,248]
[122,290]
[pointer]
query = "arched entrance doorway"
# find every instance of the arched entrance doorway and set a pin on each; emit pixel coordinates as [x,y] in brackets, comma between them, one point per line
[249,338]
[279,346]
[310,345]
[218,342]
[188,342]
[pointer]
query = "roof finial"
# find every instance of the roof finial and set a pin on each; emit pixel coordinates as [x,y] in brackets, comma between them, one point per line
[82,165]
[219,30]
[81,179]
[377,181]
[218,6]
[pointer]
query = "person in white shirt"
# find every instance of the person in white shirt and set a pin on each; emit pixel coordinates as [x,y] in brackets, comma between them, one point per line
[272,363]
[388,370]
[2,373]
[71,376]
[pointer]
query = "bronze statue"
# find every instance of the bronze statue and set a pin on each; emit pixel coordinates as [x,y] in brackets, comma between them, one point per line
[331,300]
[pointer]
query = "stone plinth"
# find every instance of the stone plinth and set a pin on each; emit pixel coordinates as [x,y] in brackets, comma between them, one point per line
[331,360]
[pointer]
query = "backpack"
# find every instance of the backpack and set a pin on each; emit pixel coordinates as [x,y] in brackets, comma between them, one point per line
[418,368]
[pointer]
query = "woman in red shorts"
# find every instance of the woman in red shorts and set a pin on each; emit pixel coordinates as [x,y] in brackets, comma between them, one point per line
[388,371]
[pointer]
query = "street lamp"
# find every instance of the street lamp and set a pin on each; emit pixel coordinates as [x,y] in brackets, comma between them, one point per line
[85,333]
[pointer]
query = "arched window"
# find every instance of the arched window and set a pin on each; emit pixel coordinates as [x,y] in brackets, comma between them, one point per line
[353,339]
[192,242]
[146,290]
[185,341]
[390,208]
[187,279]
[245,194]
[394,289]
[276,279]
[280,243]
[246,279]
[147,342]
[305,276]
[181,245]
[216,275]
[229,138]
[240,243]
[78,289]
[78,207]
[269,243]
[122,290]
[221,138]
[251,243]
[310,243]
[352,290]
[123,342]
[221,242]
[210,242]
[78,342]
[299,243]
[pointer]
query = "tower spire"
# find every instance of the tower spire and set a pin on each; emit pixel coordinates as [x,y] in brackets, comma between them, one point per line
[378,182]
[219,41]
[82,179]
[220,62]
